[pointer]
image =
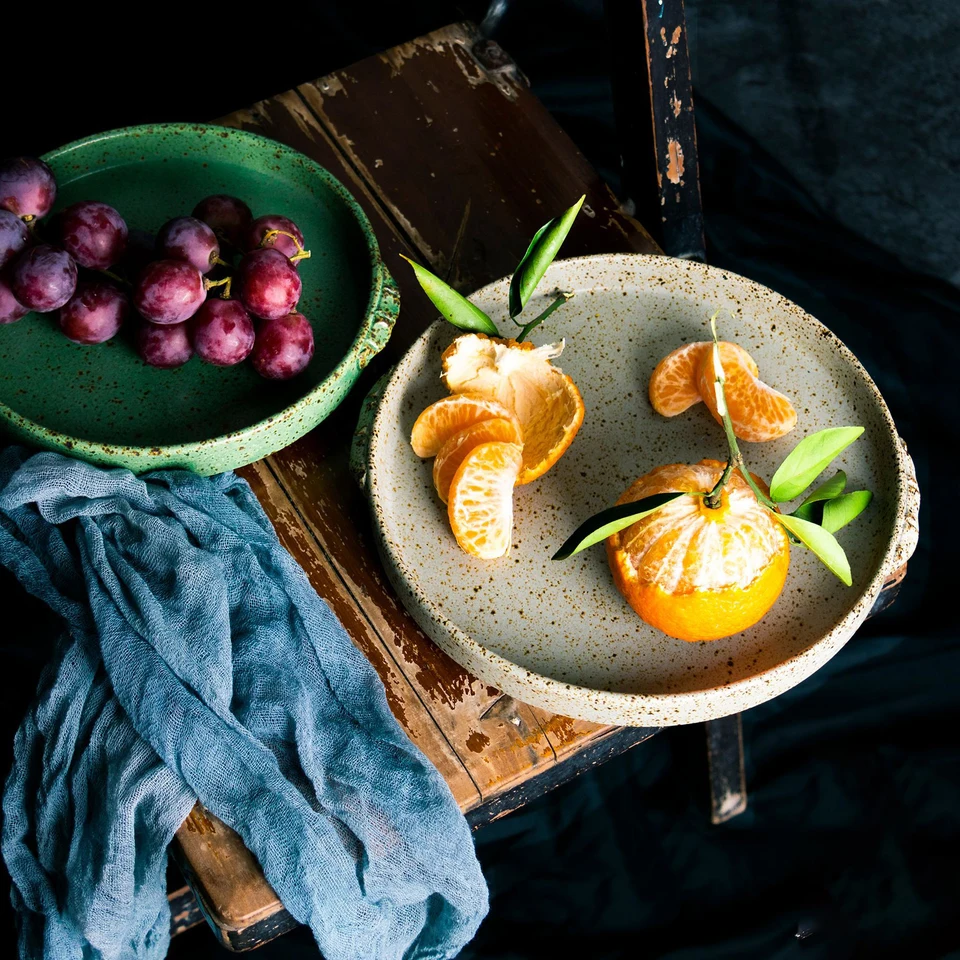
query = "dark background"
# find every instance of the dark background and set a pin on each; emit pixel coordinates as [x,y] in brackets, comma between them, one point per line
[829,148]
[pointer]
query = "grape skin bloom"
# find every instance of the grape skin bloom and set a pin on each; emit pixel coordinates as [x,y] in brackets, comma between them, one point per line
[14,236]
[169,291]
[95,313]
[27,187]
[44,278]
[284,347]
[166,347]
[94,234]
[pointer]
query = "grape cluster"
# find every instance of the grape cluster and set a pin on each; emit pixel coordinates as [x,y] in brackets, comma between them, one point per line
[189,296]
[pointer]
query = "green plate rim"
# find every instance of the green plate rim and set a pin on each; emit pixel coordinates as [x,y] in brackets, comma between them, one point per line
[78,445]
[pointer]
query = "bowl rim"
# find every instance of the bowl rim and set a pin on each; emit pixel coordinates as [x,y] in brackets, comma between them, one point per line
[609,706]
[78,446]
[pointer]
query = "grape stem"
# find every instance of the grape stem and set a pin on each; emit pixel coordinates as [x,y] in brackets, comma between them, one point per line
[115,277]
[301,254]
[735,458]
[219,262]
[226,283]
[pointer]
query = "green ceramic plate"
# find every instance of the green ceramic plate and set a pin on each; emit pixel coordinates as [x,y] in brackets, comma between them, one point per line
[103,404]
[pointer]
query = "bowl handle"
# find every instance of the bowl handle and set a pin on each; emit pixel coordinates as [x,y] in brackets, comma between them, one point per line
[906,541]
[910,532]
[384,315]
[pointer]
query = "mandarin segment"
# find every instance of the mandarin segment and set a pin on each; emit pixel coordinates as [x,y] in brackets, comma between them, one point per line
[757,411]
[455,450]
[698,573]
[674,385]
[521,377]
[480,507]
[441,420]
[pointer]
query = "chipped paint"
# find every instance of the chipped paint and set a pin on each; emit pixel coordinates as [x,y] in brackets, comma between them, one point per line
[331,85]
[674,170]
[676,104]
[477,741]
[301,115]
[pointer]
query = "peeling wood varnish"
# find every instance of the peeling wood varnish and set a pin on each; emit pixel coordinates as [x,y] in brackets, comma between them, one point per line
[674,161]
[456,41]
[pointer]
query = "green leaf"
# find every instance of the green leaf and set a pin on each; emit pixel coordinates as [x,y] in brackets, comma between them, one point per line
[808,459]
[808,510]
[609,521]
[454,307]
[544,246]
[829,489]
[821,542]
[839,512]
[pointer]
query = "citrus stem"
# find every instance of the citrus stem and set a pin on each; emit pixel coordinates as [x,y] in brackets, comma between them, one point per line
[226,283]
[301,254]
[536,321]
[712,499]
[736,457]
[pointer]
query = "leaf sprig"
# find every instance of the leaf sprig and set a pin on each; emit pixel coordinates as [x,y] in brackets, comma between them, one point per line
[541,252]
[813,524]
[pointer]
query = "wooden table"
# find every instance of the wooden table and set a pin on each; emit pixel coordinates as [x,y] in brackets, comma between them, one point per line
[457,164]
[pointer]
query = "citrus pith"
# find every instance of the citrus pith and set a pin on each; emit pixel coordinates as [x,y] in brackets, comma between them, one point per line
[522,378]
[694,572]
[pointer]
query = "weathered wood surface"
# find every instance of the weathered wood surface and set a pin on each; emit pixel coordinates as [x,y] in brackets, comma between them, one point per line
[457,164]
[653,102]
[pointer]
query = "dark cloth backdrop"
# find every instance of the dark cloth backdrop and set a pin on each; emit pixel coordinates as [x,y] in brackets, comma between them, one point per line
[852,838]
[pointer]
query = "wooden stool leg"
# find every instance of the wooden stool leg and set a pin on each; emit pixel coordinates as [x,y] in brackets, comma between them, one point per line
[728,782]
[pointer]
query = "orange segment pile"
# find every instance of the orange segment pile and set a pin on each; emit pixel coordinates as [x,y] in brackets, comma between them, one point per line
[674,386]
[481,499]
[758,412]
[686,376]
[455,450]
[510,416]
[698,573]
[521,377]
[441,420]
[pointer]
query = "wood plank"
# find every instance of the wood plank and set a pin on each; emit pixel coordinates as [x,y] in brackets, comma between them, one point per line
[490,165]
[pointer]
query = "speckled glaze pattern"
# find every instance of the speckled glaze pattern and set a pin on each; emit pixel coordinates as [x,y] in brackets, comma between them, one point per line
[103,404]
[558,634]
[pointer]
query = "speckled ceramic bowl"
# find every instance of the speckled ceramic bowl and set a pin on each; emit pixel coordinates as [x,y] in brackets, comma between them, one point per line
[558,634]
[103,404]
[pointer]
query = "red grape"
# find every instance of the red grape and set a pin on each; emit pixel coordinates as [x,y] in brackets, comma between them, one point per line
[14,236]
[11,310]
[93,233]
[169,291]
[44,278]
[165,347]
[284,347]
[229,217]
[95,313]
[27,187]
[274,221]
[269,284]
[190,240]
[222,332]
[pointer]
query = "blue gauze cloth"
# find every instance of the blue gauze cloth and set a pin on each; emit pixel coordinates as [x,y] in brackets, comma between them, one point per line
[197,661]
